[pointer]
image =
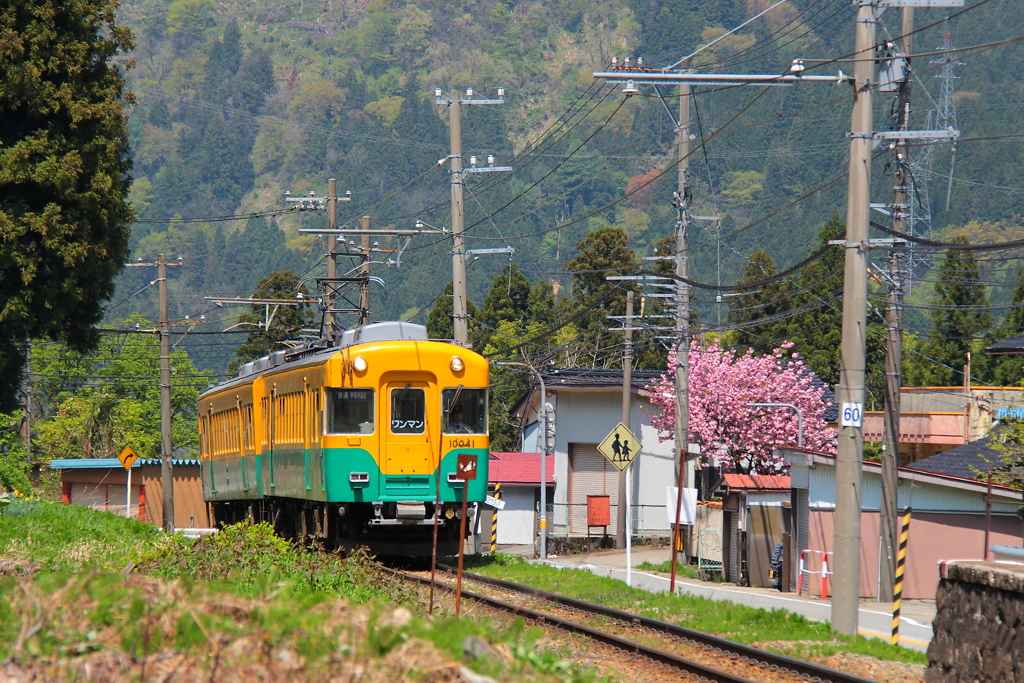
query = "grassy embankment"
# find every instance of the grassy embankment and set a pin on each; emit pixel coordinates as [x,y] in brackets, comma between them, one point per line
[775,630]
[237,606]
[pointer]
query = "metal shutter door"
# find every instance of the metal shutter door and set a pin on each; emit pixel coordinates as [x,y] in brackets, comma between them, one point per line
[590,474]
[107,497]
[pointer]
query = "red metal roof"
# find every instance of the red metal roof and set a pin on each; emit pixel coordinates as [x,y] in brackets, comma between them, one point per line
[519,468]
[757,482]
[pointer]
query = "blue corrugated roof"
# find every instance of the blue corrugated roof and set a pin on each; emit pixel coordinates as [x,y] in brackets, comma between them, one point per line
[108,463]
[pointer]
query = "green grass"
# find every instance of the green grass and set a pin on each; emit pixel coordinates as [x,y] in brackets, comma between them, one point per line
[55,536]
[243,587]
[777,630]
[683,570]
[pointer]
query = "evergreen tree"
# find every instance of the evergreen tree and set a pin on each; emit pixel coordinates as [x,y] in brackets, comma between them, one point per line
[541,302]
[64,180]
[440,324]
[1008,371]
[603,252]
[507,299]
[287,323]
[959,323]
[763,303]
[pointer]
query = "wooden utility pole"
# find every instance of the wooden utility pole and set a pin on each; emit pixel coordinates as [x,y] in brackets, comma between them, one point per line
[627,381]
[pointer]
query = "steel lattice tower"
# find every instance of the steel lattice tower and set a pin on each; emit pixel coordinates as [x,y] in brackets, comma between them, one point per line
[919,221]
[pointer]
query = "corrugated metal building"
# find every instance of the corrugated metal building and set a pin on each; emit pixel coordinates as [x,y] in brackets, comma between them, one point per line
[101,483]
[948,519]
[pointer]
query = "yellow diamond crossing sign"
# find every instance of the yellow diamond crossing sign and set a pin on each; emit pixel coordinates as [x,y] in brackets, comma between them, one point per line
[620,447]
[127,457]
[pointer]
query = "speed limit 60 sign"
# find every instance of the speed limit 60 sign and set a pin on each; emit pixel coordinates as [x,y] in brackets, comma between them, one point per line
[851,414]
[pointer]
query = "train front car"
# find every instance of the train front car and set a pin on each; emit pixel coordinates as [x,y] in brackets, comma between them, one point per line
[398,413]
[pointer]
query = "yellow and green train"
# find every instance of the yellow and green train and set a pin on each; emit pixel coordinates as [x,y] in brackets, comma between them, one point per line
[354,443]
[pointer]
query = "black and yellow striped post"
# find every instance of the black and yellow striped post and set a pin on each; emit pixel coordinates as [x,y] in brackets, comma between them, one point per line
[494,519]
[901,561]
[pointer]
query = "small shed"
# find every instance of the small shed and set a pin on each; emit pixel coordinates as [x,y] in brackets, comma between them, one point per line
[101,483]
[756,515]
[519,477]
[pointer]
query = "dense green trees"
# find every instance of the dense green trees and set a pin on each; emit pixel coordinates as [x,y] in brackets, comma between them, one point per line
[63,173]
[287,322]
[960,322]
[94,404]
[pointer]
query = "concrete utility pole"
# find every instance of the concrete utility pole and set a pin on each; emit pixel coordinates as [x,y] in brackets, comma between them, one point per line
[166,447]
[166,462]
[627,382]
[850,450]
[332,243]
[364,272]
[889,527]
[330,203]
[455,101]
[684,475]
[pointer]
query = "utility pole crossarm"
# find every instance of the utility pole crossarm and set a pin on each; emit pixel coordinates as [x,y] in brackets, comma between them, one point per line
[454,102]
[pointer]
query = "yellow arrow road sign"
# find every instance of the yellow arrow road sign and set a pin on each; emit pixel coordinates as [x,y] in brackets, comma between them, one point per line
[127,457]
[620,447]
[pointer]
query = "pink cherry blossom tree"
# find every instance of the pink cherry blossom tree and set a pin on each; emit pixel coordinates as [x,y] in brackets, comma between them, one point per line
[722,382]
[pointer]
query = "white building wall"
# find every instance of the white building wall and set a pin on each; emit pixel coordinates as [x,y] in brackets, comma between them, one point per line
[517,521]
[586,417]
[921,496]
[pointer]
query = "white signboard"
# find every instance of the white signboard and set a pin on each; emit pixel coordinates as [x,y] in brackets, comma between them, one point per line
[851,414]
[494,502]
[689,513]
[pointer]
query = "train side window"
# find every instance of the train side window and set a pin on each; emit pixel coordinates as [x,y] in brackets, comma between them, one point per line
[350,411]
[408,411]
[464,410]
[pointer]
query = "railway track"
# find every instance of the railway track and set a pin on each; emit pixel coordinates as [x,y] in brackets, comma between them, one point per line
[693,654]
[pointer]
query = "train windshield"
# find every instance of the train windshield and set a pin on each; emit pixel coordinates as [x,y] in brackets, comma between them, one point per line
[408,411]
[350,411]
[464,410]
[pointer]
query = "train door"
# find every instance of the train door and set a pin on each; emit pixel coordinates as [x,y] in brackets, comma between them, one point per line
[408,451]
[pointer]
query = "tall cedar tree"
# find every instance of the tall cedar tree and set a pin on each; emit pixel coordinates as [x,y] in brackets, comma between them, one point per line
[64,164]
[958,323]
[761,304]
[287,323]
[1008,371]
[440,324]
[508,299]
[603,252]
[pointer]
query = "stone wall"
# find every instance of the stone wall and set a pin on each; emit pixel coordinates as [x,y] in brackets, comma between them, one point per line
[979,626]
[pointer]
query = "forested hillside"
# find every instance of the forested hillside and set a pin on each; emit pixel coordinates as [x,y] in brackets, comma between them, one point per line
[237,103]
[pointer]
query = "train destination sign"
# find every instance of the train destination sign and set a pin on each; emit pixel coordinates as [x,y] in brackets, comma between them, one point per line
[127,457]
[620,447]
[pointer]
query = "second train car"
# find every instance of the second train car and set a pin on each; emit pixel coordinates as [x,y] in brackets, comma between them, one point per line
[353,443]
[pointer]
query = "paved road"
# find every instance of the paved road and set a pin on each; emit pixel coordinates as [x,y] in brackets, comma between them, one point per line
[875,618]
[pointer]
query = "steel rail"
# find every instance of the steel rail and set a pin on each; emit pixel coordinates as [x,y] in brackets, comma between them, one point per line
[703,672]
[813,672]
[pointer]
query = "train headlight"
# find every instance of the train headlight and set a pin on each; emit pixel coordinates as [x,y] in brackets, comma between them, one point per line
[360,364]
[458,365]
[449,513]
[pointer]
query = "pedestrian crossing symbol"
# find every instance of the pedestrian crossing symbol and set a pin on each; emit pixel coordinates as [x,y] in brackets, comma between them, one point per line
[620,447]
